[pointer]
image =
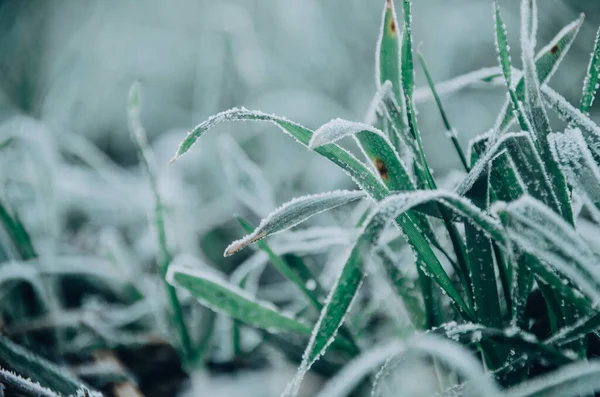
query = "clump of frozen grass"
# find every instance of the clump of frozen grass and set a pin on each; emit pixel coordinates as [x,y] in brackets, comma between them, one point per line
[501,266]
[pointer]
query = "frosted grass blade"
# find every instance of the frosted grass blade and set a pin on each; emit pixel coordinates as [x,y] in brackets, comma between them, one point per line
[546,63]
[539,231]
[539,119]
[387,58]
[573,380]
[407,67]
[590,84]
[483,76]
[345,160]
[376,146]
[576,160]
[37,368]
[572,115]
[221,296]
[293,213]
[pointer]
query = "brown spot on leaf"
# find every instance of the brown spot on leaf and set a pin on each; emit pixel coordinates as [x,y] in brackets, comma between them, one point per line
[381,168]
[554,49]
[392,26]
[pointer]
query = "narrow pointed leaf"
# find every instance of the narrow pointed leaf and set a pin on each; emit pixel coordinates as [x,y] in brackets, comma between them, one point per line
[221,296]
[388,50]
[293,213]
[590,84]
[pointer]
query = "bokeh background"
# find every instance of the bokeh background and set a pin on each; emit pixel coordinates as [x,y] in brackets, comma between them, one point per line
[66,67]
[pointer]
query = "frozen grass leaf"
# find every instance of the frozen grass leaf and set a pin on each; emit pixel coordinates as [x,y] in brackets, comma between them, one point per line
[576,160]
[539,231]
[387,58]
[573,380]
[36,368]
[293,213]
[590,84]
[546,63]
[21,386]
[407,68]
[376,147]
[221,296]
[539,119]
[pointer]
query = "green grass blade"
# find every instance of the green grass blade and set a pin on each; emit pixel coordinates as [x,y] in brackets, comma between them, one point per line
[387,58]
[138,136]
[576,331]
[539,231]
[590,84]
[581,378]
[293,213]
[221,296]
[345,160]
[539,121]
[546,63]
[407,68]
[376,146]
[451,132]
[395,112]
[17,233]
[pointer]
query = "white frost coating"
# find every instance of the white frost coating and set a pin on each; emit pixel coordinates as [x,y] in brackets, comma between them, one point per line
[245,177]
[399,35]
[353,373]
[529,21]
[481,165]
[293,213]
[541,232]
[24,385]
[570,114]
[212,278]
[337,129]
[571,152]
[424,94]
[375,104]
[573,26]
[571,380]
[457,358]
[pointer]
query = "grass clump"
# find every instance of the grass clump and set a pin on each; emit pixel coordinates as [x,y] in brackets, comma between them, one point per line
[492,287]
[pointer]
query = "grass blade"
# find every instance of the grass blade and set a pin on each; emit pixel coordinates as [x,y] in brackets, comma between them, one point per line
[576,160]
[17,233]
[221,296]
[138,136]
[590,84]
[546,63]
[573,380]
[539,231]
[387,58]
[293,213]
[451,132]
[376,146]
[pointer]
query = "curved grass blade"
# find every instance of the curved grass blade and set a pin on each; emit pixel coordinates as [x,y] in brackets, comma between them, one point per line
[576,331]
[395,112]
[483,76]
[387,58]
[539,120]
[546,63]
[576,160]
[293,213]
[376,146]
[221,296]
[539,231]
[581,378]
[572,115]
[146,157]
[590,84]
[530,9]
[37,368]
